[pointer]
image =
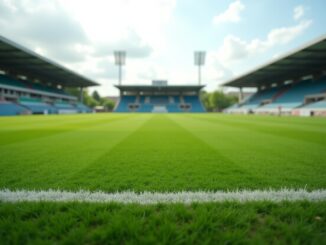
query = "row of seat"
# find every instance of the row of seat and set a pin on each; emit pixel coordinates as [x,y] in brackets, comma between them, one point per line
[316,105]
[39,107]
[148,103]
[28,85]
[286,97]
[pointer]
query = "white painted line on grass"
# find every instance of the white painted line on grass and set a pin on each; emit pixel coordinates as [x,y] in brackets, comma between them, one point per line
[185,197]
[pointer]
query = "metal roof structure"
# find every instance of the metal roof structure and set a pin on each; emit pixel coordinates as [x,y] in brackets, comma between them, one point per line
[307,60]
[22,61]
[154,88]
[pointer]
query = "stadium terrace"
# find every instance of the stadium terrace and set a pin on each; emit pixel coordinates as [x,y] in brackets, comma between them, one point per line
[160,97]
[294,84]
[32,84]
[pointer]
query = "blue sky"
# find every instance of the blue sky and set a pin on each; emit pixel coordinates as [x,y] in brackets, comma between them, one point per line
[160,36]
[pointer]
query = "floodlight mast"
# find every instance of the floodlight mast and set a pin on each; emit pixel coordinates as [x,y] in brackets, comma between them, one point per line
[199,61]
[120,60]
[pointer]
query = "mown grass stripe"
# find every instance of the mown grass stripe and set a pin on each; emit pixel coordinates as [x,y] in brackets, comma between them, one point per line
[185,197]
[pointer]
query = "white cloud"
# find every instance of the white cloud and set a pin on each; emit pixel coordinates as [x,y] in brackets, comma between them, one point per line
[82,35]
[108,21]
[231,14]
[131,42]
[234,48]
[72,30]
[45,27]
[284,35]
[298,12]
[225,61]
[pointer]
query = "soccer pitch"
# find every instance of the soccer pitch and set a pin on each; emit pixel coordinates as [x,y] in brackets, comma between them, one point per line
[162,153]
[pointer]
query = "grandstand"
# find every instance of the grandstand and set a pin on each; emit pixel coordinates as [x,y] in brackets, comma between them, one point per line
[294,84]
[32,84]
[159,98]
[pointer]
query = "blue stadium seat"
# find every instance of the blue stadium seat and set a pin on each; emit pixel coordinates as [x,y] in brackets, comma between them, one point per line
[287,96]
[11,82]
[81,108]
[173,108]
[124,103]
[159,100]
[294,96]
[37,106]
[142,99]
[26,84]
[317,105]
[263,95]
[255,100]
[11,109]
[145,108]
[196,105]
[176,99]
[65,107]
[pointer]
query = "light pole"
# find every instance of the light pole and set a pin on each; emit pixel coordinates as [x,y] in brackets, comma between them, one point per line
[199,61]
[120,60]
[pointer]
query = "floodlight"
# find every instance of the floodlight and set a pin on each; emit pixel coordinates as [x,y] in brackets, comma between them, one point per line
[200,58]
[199,61]
[120,60]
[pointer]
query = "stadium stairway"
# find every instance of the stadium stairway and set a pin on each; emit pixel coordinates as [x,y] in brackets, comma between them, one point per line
[280,92]
[159,109]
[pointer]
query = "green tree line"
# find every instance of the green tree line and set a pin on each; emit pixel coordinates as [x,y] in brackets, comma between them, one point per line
[92,100]
[217,100]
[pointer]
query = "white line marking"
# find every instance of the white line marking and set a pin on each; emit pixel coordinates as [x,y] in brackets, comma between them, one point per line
[185,197]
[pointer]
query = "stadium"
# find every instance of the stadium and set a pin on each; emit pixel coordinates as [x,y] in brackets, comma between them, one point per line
[161,168]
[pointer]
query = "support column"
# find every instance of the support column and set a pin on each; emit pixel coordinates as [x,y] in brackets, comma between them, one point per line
[199,75]
[240,95]
[81,96]
[120,75]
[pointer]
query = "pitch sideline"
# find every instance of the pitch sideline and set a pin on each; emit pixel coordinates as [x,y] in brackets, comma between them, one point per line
[185,197]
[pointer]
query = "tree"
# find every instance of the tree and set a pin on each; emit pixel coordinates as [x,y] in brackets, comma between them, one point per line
[217,100]
[90,101]
[96,96]
[204,97]
[108,104]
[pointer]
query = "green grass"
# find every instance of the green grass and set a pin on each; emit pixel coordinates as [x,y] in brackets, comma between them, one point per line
[228,223]
[170,152]
[162,152]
